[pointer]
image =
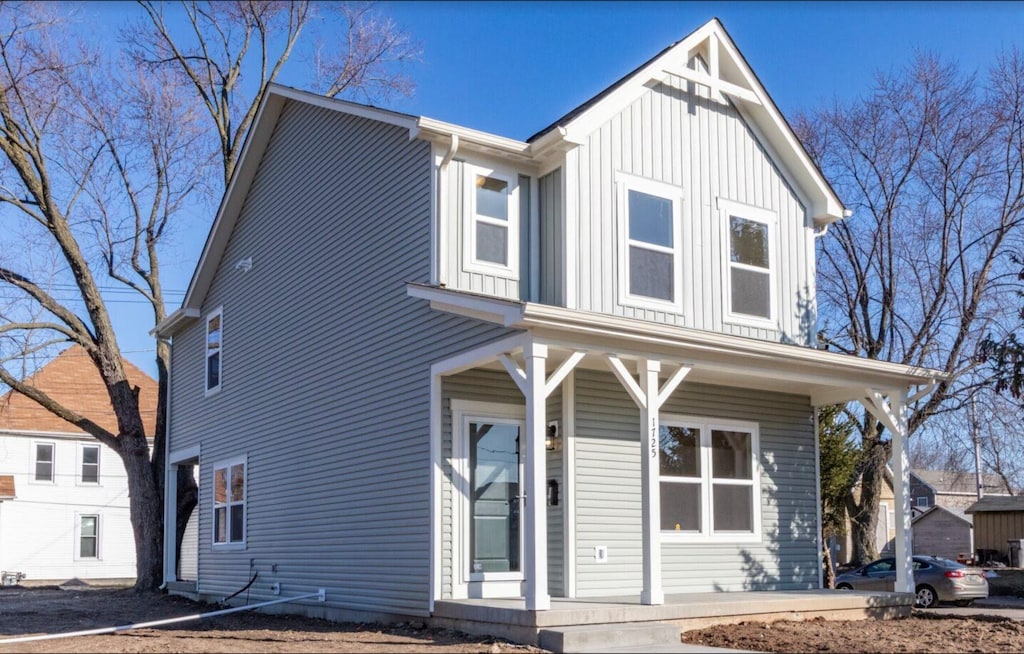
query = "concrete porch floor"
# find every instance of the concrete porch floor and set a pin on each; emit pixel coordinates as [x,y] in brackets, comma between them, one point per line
[508,618]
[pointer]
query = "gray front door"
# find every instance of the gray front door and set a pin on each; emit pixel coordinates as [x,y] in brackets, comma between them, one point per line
[494,468]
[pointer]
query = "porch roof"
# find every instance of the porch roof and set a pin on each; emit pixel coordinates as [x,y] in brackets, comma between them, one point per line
[826,377]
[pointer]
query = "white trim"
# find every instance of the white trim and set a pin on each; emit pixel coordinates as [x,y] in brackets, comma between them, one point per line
[569,483]
[207,389]
[470,262]
[478,355]
[34,460]
[769,218]
[184,454]
[819,533]
[80,465]
[535,244]
[227,464]
[624,183]
[706,480]
[436,490]
[570,225]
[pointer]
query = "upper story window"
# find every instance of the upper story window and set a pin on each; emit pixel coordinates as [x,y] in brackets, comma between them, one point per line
[922,501]
[492,222]
[90,464]
[750,263]
[650,247]
[709,479]
[229,503]
[214,344]
[44,462]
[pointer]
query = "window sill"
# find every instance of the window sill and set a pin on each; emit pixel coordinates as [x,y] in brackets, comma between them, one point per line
[673,538]
[228,547]
[751,321]
[651,304]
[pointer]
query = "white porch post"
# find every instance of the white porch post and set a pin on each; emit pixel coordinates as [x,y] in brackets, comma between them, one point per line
[535,516]
[651,495]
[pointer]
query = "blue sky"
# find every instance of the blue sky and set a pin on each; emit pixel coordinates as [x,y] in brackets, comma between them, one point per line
[513,68]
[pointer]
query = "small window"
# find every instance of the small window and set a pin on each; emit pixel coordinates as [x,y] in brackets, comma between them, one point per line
[922,501]
[88,537]
[214,344]
[492,227]
[90,464]
[229,503]
[749,262]
[650,244]
[44,462]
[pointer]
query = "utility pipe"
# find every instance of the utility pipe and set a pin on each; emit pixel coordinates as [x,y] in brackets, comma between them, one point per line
[155,623]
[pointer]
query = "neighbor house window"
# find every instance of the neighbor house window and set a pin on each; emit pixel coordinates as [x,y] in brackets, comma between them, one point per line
[749,284]
[229,503]
[88,537]
[491,234]
[650,248]
[214,345]
[44,462]
[90,464]
[922,502]
[709,479]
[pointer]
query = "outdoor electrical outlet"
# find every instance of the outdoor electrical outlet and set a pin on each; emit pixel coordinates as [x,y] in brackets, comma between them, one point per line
[275,588]
[601,554]
[322,597]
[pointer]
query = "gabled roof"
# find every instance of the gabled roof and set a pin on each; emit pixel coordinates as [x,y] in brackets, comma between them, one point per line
[936,509]
[997,504]
[72,379]
[956,483]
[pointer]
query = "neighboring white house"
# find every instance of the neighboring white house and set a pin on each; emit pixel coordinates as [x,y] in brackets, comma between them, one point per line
[420,365]
[68,517]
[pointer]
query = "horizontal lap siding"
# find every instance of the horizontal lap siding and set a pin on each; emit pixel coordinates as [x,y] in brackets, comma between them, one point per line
[676,135]
[326,369]
[608,493]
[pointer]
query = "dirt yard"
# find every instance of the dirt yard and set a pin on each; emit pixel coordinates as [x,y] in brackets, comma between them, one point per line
[29,611]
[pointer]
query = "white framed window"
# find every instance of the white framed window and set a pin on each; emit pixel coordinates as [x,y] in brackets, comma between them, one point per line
[214,349]
[89,464]
[44,462]
[88,537]
[650,243]
[491,226]
[229,488]
[710,480]
[750,269]
[922,501]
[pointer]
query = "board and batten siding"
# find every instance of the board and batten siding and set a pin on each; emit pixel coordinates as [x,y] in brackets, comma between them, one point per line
[325,371]
[608,500]
[676,135]
[496,387]
[552,239]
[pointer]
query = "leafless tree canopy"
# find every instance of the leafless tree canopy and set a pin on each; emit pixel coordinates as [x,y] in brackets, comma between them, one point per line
[105,151]
[931,161]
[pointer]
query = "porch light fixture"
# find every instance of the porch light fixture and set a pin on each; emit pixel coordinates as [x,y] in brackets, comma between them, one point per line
[553,439]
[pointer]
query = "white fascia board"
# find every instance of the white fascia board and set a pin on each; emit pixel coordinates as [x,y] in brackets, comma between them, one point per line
[502,312]
[174,322]
[405,121]
[431,130]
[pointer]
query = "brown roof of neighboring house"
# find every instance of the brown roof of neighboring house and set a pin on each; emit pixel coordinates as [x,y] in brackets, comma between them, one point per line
[6,487]
[943,481]
[936,509]
[73,380]
[997,503]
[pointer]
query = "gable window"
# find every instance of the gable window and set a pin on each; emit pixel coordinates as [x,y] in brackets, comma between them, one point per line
[214,343]
[229,503]
[922,501]
[90,464]
[44,462]
[88,536]
[650,248]
[492,226]
[750,262]
[709,479]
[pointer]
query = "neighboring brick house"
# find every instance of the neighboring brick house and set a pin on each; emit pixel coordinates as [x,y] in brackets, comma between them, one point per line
[952,490]
[66,513]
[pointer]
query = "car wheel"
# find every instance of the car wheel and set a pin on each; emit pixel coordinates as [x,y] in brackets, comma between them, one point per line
[926,597]
[964,603]
[844,587]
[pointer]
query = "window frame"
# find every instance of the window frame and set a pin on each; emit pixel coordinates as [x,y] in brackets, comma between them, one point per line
[470,261]
[207,389]
[769,218]
[79,535]
[35,462]
[80,478]
[706,426]
[227,464]
[624,183]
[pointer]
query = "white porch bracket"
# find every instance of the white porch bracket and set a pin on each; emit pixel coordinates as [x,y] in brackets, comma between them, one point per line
[649,396]
[893,414]
[517,374]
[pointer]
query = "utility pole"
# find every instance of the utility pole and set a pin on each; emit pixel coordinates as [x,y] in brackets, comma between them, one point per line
[977,449]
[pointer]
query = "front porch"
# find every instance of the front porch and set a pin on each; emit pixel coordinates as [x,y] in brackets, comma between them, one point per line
[559,627]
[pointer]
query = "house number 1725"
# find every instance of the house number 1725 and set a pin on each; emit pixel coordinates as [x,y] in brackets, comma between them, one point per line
[654,438]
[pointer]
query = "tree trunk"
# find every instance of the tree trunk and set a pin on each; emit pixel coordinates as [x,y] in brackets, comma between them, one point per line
[864,514]
[830,571]
[146,506]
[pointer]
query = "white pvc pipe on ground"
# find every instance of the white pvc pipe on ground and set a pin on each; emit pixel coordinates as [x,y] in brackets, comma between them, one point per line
[157,623]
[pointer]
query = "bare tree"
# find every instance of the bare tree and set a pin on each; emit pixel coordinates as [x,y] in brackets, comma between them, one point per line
[100,160]
[930,160]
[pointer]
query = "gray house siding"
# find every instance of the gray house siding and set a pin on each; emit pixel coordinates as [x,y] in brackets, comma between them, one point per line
[325,370]
[552,278]
[940,533]
[608,493]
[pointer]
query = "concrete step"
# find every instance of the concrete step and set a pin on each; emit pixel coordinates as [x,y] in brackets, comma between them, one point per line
[601,637]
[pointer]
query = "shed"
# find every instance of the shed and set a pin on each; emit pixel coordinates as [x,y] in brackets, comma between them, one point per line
[942,532]
[997,520]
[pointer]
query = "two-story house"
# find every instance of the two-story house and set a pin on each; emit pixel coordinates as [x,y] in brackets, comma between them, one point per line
[420,364]
[65,514]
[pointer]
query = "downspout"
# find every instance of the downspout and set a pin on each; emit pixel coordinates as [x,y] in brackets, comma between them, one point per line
[442,209]
[824,230]
[170,569]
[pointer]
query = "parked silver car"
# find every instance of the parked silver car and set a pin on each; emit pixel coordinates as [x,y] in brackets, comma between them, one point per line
[935,580]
